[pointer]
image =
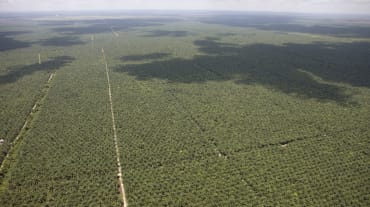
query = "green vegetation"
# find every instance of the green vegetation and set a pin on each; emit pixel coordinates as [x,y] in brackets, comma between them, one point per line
[217,110]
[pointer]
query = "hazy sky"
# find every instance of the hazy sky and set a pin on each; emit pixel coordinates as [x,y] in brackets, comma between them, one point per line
[312,6]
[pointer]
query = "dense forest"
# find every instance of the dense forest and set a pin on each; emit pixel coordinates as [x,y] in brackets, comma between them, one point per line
[213,109]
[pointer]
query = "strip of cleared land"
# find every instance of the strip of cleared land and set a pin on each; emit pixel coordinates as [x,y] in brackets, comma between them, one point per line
[27,123]
[119,175]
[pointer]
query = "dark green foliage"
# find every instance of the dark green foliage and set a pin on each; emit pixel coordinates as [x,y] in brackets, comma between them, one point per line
[61,41]
[228,150]
[49,65]
[103,26]
[67,157]
[287,23]
[218,116]
[164,33]
[8,43]
[151,56]
[278,67]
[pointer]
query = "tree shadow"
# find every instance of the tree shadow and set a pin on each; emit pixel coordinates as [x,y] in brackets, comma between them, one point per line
[337,31]
[61,41]
[304,71]
[166,33]
[105,25]
[55,23]
[20,71]
[287,23]
[243,19]
[338,62]
[150,56]
[226,34]
[8,43]
[81,30]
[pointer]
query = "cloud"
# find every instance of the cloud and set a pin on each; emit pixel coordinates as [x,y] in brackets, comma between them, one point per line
[330,6]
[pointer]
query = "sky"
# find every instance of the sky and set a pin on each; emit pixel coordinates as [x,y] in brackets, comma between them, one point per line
[307,6]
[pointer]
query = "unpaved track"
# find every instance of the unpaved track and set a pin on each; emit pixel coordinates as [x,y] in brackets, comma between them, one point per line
[114,32]
[28,120]
[119,175]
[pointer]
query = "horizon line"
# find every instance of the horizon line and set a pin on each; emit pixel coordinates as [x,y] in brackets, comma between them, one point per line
[187,10]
